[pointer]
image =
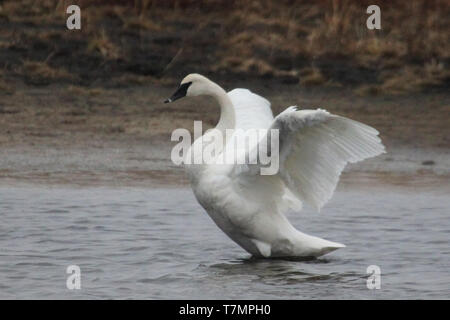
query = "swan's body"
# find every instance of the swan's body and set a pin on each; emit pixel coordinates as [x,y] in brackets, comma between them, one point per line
[249,207]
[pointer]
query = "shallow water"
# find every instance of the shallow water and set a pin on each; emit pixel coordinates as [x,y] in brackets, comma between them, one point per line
[135,243]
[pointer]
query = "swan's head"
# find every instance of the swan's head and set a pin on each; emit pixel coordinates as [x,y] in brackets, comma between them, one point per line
[192,85]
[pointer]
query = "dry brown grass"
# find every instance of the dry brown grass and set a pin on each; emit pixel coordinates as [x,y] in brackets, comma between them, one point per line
[5,88]
[311,77]
[312,43]
[414,36]
[83,91]
[38,72]
[409,79]
[101,43]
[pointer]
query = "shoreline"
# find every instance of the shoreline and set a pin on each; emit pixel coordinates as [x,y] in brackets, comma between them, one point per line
[62,134]
[149,166]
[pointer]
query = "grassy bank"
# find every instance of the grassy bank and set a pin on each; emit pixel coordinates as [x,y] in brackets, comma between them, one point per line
[304,43]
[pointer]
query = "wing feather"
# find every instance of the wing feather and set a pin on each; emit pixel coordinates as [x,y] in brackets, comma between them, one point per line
[252,111]
[315,147]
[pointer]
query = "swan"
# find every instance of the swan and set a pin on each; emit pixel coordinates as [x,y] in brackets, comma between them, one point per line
[314,147]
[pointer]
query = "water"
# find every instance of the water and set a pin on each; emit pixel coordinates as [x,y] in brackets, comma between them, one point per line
[147,243]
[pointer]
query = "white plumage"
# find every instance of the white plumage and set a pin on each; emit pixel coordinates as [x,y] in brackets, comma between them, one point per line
[314,147]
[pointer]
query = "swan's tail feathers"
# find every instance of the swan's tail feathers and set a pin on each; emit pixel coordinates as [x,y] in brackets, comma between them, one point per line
[328,246]
[315,246]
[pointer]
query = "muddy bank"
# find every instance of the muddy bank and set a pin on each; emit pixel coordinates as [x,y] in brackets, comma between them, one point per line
[98,136]
[124,163]
[66,115]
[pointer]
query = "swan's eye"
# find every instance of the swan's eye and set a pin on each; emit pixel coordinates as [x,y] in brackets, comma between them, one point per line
[180,93]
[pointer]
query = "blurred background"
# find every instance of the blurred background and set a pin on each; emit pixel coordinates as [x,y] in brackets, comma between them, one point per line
[85,172]
[102,86]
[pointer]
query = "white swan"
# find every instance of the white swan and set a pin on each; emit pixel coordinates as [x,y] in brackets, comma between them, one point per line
[314,147]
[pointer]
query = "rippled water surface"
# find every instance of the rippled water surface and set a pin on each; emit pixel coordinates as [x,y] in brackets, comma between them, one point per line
[135,243]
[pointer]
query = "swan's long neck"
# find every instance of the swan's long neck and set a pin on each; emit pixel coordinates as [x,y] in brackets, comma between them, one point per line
[227,121]
[227,116]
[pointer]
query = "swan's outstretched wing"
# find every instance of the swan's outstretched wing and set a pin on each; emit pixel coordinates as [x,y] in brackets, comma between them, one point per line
[252,111]
[314,147]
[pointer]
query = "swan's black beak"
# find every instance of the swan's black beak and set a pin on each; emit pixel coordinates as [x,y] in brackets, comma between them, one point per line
[180,93]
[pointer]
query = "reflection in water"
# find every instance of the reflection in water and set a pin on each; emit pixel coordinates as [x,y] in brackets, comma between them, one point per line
[282,271]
